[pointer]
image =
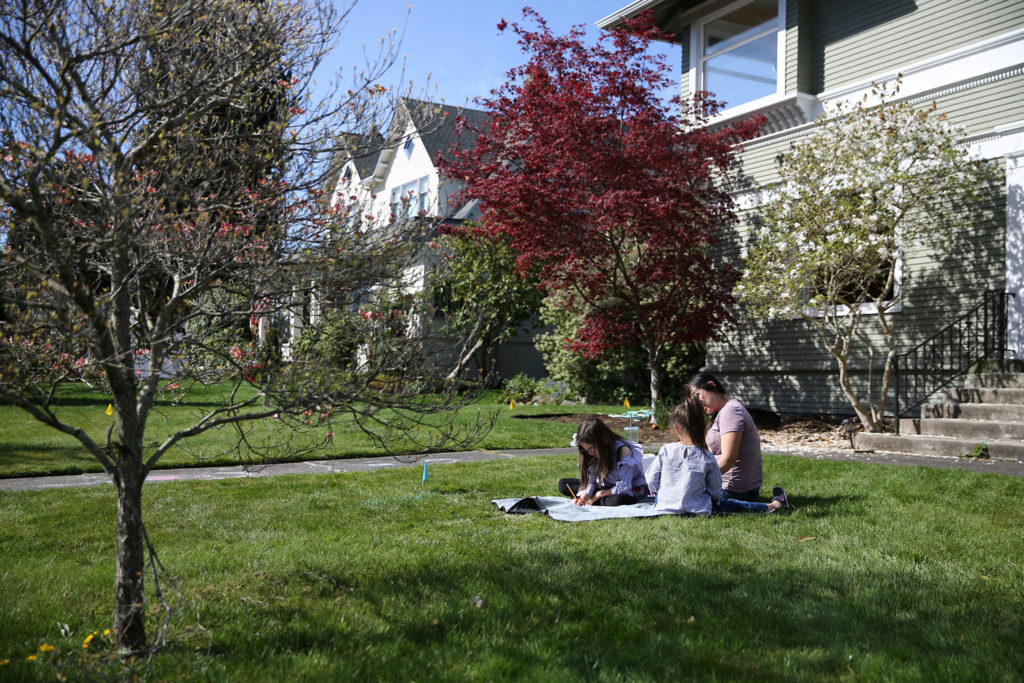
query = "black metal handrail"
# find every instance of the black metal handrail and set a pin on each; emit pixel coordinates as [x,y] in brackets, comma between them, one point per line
[979,334]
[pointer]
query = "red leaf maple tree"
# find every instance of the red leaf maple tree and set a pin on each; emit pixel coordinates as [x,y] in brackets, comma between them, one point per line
[598,184]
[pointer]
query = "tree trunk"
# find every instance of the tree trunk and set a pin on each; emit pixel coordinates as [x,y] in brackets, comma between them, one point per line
[130,610]
[461,364]
[657,380]
[866,417]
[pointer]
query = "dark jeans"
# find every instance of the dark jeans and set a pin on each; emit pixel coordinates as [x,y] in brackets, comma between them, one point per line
[607,501]
[749,496]
[733,506]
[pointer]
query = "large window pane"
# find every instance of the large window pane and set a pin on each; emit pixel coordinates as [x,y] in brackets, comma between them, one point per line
[744,73]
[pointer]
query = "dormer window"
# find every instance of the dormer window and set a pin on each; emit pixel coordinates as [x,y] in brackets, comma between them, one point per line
[739,52]
[408,147]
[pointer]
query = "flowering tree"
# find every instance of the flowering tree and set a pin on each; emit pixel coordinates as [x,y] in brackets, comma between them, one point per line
[871,181]
[160,172]
[611,198]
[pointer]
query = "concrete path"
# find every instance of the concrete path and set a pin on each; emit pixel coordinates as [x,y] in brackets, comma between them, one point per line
[275,469]
[388,462]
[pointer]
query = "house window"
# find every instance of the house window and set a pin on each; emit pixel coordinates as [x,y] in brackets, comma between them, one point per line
[408,147]
[739,53]
[846,279]
[411,199]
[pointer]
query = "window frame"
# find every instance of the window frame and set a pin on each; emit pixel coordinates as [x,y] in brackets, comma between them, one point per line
[700,56]
[891,305]
[416,196]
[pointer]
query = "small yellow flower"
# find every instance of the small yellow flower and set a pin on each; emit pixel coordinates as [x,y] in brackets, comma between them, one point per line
[106,632]
[88,639]
[4,662]
[46,647]
[31,658]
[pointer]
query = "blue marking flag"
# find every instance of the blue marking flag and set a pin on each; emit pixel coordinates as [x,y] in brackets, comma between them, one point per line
[424,473]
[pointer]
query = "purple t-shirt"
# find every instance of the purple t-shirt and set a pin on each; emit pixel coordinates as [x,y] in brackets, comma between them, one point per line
[745,474]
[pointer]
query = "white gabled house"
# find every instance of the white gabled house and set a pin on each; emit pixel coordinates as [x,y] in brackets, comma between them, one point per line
[394,177]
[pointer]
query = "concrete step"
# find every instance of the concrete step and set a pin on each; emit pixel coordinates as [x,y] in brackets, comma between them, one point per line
[975,411]
[938,445]
[1012,396]
[964,429]
[995,379]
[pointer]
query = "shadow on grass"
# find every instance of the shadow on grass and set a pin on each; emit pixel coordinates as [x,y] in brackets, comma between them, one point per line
[591,612]
[15,457]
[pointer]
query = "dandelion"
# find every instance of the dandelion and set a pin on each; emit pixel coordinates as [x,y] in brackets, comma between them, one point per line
[88,639]
[46,647]
[4,662]
[30,658]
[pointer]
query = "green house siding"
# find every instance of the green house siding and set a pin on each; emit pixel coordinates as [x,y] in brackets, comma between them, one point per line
[792,45]
[980,109]
[856,40]
[799,47]
[784,366]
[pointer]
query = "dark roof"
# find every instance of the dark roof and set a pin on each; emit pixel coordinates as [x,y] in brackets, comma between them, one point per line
[363,149]
[436,125]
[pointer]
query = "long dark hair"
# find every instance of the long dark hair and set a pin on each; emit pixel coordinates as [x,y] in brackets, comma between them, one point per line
[595,432]
[706,381]
[688,417]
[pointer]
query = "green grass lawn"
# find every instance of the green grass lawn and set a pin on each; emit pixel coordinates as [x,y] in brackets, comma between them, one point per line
[888,573]
[28,447]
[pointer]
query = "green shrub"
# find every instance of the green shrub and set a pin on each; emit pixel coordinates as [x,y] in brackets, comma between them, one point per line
[520,388]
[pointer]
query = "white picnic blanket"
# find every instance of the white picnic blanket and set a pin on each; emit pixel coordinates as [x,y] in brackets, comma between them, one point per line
[564,510]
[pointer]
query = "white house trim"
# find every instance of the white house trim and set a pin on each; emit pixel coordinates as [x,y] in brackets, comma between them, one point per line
[970,63]
[970,67]
[627,12]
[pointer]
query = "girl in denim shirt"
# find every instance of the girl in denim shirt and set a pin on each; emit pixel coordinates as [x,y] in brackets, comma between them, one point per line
[686,477]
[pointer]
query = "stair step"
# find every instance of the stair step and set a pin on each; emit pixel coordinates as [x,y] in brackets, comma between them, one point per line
[974,411]
[938,445]
[1013,395]
[1008,380]
[965,429]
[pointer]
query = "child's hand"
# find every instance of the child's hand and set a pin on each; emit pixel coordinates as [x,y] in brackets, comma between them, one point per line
[580,500]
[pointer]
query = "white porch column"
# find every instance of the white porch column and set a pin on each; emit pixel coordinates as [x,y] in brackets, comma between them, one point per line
[1015,253]
[1008,143]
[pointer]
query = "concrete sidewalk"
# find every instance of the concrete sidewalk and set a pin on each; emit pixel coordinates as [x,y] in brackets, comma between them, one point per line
[388,462]
[276,469]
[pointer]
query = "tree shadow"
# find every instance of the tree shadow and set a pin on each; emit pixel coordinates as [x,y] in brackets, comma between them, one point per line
[586,609]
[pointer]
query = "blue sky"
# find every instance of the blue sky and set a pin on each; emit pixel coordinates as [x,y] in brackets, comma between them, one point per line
[457,42]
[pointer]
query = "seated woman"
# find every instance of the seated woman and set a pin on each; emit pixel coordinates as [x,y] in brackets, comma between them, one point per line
[732,438]
[685,476]
[611,468]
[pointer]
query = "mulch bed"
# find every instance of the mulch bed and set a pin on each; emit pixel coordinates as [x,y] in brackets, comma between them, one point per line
[806,431]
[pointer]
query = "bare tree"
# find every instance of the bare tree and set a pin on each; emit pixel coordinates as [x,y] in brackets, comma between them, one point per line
[161,175]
